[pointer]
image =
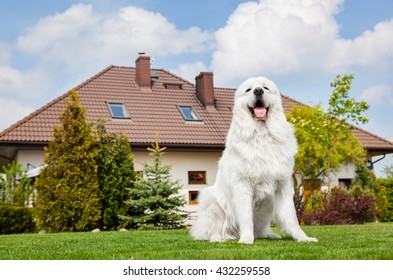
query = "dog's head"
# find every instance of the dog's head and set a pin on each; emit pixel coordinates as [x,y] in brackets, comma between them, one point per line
[259,96]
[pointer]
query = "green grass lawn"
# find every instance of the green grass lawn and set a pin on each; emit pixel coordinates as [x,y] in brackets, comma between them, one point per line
[357,242]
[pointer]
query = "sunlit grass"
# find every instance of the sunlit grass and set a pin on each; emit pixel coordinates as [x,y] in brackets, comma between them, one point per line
[370,241]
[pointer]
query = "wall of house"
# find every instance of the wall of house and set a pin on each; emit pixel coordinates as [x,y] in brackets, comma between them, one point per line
[347,172]
[32,157]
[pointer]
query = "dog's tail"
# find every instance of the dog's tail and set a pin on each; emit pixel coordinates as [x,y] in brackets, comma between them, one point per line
[200,230]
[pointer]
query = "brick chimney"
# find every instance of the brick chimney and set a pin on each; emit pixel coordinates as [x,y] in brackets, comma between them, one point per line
[142,64]
[205,89]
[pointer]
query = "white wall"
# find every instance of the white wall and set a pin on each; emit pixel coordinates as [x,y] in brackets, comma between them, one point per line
[345,172]
[33,157]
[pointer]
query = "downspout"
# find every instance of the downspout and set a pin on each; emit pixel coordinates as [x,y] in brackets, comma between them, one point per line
[371,163]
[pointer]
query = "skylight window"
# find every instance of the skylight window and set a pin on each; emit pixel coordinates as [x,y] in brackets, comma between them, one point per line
[118,111]
[188,113]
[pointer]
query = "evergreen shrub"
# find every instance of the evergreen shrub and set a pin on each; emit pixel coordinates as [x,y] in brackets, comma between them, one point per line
[16,219]
[387,184]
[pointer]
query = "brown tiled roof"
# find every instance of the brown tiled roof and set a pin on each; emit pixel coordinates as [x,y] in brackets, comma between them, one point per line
[149,111]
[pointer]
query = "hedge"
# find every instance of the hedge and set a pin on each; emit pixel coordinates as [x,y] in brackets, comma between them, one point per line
[16,219]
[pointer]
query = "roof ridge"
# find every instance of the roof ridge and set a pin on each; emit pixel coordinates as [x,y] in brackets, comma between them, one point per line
[50,103]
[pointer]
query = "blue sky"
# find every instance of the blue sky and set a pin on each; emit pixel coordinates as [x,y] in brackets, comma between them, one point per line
[47,47]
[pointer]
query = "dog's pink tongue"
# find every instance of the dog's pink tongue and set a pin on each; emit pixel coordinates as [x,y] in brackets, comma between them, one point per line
[260,112]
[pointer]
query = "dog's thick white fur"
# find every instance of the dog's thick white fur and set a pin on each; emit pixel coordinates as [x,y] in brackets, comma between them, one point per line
[253,184]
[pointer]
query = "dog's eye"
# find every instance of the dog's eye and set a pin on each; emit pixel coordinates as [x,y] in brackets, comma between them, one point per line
[248,89]
[266,88]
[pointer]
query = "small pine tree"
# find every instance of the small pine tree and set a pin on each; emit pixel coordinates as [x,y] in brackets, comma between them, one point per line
[68,193]
[115,175]
[155,199]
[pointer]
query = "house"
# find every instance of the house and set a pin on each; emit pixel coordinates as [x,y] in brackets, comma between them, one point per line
[192,120]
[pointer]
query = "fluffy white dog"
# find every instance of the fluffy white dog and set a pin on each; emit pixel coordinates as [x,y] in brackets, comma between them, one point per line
[253,185]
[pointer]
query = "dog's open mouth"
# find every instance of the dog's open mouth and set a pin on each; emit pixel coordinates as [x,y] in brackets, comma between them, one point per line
[259,111]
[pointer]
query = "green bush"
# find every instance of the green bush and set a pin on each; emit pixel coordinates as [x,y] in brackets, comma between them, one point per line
[16,219]
[382,203]
[115,175]
[388,185]
[340,207]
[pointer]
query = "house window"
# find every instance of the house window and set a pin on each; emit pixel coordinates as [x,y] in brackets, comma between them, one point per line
[188,113]
[193,197]
[118,111]
[196,177]
[345,183]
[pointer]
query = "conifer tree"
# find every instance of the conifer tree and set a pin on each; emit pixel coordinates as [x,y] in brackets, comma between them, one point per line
[68,193]
[155,199]
[115,175]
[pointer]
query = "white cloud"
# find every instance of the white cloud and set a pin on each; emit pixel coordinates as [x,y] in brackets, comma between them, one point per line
[9,78]
[189,71]
[286,37]
[5,53]
[24,86]
[370,48]
[11,111]
[81,37]
[376,94]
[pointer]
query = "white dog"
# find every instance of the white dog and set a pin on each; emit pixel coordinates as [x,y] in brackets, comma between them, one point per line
[253,185]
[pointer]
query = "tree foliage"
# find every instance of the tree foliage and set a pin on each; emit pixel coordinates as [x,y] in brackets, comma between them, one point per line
[311,132]
[341,113]
[68,193]
[155,199]
[388,171]
[325,138]
[115,175]
[15,187]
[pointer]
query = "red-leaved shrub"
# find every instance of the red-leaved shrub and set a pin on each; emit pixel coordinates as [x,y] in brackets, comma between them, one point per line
[340,207]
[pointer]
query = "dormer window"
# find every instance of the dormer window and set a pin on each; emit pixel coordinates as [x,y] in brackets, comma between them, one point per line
[188,113]
[118,111]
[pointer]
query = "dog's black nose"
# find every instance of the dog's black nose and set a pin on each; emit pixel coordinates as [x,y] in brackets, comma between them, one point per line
[258,91]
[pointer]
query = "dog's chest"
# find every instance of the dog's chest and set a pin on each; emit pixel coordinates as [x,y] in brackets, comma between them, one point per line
[264,157]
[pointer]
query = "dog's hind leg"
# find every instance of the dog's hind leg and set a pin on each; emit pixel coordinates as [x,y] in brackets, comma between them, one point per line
[211,218]
[216,230]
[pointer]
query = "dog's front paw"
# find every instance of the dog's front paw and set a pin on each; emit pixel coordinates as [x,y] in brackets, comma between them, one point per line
[307,239]
[216,238]
[246,239]
[270,235]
